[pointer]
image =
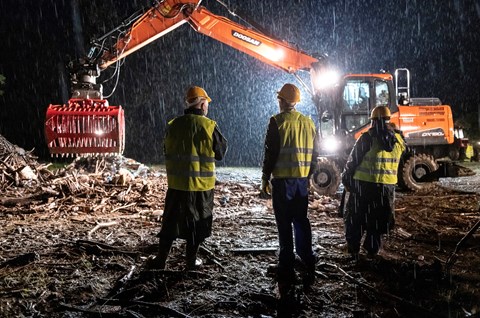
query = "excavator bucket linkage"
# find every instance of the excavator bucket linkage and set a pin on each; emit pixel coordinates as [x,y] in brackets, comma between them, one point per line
[85,127]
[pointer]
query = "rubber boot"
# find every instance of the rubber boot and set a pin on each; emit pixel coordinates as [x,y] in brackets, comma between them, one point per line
[160,261]
[286,280]
[191,254]
[353,250]
[286,304]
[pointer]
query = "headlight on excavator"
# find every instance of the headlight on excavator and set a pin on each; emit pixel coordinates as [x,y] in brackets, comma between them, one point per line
[325,79]
[275,55]
[330,144]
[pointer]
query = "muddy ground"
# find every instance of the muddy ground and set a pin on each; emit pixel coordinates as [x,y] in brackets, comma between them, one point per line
[80,251]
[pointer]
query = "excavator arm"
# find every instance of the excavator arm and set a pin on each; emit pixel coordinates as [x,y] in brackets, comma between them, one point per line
[170,14]
[266,49]
[157,21]
[88,125]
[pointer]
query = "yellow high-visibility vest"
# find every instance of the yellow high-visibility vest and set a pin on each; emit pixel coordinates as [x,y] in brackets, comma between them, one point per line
[380,166]
[297,134]
[189,156]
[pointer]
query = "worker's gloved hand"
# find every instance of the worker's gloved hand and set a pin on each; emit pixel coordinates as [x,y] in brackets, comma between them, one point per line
[265,190]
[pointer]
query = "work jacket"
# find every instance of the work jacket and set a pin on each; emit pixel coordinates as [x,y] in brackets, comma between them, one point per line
[296,136]
[189,154]
[379,165]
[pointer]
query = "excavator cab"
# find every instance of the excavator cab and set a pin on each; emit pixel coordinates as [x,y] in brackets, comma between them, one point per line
[359,94]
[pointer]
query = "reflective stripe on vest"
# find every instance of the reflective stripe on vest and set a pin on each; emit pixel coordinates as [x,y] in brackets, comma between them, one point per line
[189,156]
[297,133]
[380,166]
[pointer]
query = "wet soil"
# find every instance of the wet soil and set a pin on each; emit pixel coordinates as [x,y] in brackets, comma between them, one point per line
[85,255]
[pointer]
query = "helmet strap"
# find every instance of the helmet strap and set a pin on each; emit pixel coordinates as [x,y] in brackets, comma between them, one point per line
[194,102]
[286,106]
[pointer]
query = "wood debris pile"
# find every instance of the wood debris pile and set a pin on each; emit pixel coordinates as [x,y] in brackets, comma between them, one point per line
[24,180]
[19,167]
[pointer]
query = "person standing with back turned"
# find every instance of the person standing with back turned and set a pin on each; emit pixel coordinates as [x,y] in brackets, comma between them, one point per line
[370,175]
[192,144]
[290,158]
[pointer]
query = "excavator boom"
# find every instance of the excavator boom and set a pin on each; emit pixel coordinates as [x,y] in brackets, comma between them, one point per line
[170,14]
[88,125]
[157,21]
[266,49]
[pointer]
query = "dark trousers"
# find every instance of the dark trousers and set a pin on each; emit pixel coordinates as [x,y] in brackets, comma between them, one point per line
[354,230]
[370,211]
[290,204]
[164,249]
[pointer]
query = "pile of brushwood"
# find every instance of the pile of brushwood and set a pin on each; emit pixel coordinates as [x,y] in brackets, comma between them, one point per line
[75,241]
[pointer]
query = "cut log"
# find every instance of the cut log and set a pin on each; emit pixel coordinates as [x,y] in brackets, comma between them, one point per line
[20,260]
[254,250]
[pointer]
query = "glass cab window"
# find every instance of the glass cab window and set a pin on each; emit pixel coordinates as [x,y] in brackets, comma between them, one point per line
[359,97]
[357,104]
[356,96]
[381,93]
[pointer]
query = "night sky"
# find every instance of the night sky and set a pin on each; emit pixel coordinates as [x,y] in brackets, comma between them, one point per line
[437,40]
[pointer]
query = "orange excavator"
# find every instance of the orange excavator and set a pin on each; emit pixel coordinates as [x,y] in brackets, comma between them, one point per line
[88,125]
[434,142]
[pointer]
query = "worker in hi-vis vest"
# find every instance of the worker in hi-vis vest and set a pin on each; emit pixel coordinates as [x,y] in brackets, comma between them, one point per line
[370,176]
[192,144]
[290,159]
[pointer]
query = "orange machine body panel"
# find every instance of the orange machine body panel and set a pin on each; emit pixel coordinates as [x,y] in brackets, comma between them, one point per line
[423,125]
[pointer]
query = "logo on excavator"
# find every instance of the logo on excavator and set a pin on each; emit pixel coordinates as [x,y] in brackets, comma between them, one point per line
[433,134]
[245,38]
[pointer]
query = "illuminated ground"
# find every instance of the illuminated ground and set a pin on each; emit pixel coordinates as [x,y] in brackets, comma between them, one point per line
[65,256]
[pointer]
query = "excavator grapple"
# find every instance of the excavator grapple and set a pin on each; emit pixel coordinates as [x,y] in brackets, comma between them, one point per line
[85,127]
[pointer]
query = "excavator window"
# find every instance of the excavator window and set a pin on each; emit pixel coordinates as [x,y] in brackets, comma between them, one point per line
[356,104]
[356,96]
[381,93]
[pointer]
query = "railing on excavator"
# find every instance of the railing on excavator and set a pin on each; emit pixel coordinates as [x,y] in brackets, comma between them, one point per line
[85,127]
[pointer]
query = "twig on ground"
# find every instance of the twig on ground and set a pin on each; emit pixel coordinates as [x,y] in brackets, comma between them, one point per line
[161,309]
[254,250]
[101,225]
[123,207]
[99,248]
[453,256]
[211,256]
